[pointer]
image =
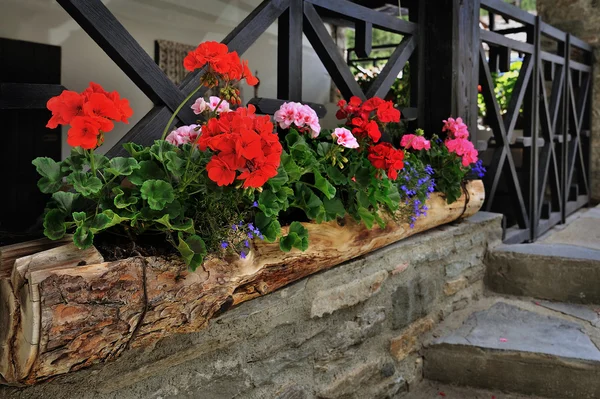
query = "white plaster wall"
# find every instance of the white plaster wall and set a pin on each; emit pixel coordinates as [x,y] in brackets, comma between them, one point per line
[186,21]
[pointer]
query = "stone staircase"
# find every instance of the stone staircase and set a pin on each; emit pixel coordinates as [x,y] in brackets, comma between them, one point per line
[537,332]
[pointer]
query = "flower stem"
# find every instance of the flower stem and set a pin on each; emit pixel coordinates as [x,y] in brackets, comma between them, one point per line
[177,111]
[92,162]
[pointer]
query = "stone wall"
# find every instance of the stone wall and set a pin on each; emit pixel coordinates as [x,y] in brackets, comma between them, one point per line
[351,332]
[582,19]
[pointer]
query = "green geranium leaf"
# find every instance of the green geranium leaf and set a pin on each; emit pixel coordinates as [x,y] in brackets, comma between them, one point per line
[366,216]
[148,170]
[293,137]
[79,218]
[363,199]
[174,209]
[123,197]
[64,201]
[174,163]
[323,148]
[50,170]
[101,162]
[84,184]
[336,176]
[334,208]
[83,237]
[75,162]
[121,166]
[279,180]
[268,226]
[158,193]
[192,250]
[186,226]
[363,176]
[137,151]
[105,220]
[272,202]
[324,186]
[54,224]
[296,238]
[160,148]
[291,167]
[308,201]
[379,220]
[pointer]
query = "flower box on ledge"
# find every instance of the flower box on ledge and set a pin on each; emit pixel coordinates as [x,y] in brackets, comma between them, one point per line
[64,309]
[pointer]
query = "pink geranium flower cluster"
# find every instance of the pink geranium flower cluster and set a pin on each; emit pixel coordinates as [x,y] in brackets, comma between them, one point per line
[213,102]
[302,116]
[415,142]
[345,138]
[458,140]
[456,128]
[183,135]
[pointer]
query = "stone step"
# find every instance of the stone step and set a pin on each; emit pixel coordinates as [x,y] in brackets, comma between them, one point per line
[437,390]
[545,349]
[553,271]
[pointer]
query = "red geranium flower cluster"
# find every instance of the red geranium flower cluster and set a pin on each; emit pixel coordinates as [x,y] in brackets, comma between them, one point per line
[221,63]
[384,156]
[243,143]
[364,118]
[90,114]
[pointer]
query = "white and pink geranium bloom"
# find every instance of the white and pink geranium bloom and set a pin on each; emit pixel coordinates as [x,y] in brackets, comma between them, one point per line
[183,135]
[200,105]
[345,138]
[302,116]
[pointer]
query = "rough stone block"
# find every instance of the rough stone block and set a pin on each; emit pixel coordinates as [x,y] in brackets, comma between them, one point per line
[293,392]
[408,342]
[414,300]
[365,325]
[343,296]
[453,286]
[367,380]
[347,383]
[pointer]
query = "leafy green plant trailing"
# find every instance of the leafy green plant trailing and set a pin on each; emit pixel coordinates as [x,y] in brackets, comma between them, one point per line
[213,188]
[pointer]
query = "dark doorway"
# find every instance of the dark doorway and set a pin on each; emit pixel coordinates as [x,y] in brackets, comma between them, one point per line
[24,136]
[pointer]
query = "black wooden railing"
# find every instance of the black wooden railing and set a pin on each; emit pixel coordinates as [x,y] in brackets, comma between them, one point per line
[443,44]
[541,176]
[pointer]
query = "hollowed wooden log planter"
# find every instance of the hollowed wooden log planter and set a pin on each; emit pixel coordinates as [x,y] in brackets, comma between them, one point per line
[64,309]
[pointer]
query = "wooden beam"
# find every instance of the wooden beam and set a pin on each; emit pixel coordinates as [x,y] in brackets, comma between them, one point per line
[329,53]
[363,38]
[357,12]
[386,78]
[289,52]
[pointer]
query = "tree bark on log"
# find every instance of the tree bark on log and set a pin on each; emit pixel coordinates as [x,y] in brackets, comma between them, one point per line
[63,313]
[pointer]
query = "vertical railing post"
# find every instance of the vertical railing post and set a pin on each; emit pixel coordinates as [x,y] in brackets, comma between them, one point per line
[289,52]
[564,153]
[534,215]
[450,63]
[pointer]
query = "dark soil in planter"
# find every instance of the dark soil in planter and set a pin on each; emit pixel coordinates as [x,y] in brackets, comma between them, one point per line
[114,246]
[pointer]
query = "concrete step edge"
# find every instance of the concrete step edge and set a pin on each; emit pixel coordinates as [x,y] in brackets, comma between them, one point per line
[564,251]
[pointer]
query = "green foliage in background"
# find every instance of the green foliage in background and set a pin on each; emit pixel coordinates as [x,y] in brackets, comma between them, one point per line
[504,84]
